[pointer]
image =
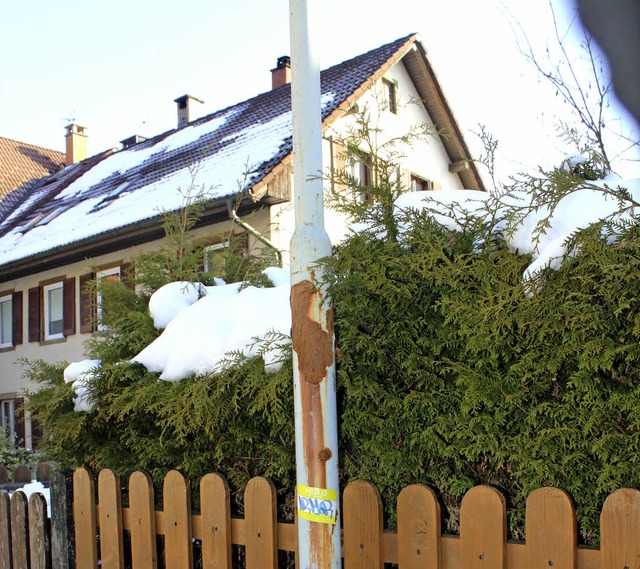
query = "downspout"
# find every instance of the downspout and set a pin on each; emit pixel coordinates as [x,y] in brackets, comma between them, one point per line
[253,231]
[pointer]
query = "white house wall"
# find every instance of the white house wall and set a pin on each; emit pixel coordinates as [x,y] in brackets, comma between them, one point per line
[71,348]
[427,159]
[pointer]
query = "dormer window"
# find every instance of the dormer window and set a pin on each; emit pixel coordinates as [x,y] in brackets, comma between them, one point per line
[389,93]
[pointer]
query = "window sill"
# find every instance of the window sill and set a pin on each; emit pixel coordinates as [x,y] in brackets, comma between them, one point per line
[55,340]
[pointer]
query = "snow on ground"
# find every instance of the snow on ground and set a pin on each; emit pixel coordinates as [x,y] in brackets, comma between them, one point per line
[203,324]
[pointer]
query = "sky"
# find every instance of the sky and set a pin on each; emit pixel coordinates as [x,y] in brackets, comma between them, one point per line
[117,67]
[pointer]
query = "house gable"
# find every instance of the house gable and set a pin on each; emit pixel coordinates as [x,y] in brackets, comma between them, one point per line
[244,149]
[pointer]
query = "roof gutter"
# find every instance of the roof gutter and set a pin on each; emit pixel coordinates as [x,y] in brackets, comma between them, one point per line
[114,240]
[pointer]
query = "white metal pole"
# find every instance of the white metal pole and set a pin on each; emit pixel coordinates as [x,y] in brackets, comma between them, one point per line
[312,334]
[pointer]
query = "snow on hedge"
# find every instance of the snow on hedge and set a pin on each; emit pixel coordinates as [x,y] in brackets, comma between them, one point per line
[578,210]
[202,325]
[79,375]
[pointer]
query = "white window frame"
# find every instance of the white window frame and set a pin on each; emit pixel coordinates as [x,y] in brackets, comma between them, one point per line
[4,343]
[9,419]
[101,275]
[47,310]
[390,95]
[216,247]
[427,185]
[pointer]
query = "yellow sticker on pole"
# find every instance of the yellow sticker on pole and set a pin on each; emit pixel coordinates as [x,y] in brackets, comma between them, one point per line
[317,504]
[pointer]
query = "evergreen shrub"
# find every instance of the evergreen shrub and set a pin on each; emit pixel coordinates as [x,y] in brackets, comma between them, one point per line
[451,372]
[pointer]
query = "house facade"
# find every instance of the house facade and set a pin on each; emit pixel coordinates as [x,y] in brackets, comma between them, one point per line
[87,220]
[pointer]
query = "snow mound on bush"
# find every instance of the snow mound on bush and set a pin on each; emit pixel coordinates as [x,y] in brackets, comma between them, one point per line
[223,319]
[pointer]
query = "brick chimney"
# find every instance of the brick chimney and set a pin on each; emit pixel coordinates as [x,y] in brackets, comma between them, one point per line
[76,143]
[184,108]
[281,75]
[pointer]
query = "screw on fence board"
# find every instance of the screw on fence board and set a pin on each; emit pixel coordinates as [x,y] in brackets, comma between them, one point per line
[62,534]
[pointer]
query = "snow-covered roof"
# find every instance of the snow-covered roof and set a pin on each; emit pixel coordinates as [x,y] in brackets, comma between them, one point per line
[221,155]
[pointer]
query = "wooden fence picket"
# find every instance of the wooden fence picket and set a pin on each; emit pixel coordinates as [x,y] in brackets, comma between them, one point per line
[363,526]
[22,474]
[260,523]
[84,516]
[620,530]
[177,522]
[39,539]
[418,528]
[551,529]
[215,508]
[5,530]
[143,522]
[20,531]
[62,533]
[110,520]
[483,529]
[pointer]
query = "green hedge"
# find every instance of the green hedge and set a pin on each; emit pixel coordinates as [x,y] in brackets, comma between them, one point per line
[450,373]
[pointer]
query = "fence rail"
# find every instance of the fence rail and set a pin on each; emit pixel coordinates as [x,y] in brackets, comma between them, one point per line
[26,540]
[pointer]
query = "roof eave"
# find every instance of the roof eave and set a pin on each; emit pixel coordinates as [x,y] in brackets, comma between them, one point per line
[426,82]
[120,238]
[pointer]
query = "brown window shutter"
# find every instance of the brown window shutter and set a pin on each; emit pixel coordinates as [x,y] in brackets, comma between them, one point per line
[35,299]
[128,275]
[16,307]
[69,306]
[18,410]
[37,433]
[87,315]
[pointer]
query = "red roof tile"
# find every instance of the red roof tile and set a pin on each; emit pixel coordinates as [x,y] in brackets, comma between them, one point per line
[22,164]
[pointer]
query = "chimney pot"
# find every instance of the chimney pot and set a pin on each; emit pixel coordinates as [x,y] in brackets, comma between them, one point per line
[281,75]
[76,143]
[184,104]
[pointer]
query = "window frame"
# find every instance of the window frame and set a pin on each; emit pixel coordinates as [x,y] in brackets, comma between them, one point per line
[390,95]
[214,247]
[46,305]
[101,274]
[6,298]
[426,184]
[9,420]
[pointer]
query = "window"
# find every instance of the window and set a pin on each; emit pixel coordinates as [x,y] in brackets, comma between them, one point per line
[363,176]
[389,96]
[214,260]
[420,184]
[9,420]
[111,275]
[53,311]
[6,323]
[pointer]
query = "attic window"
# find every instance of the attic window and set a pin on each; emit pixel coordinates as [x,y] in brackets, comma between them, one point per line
[419,184]
[389,96]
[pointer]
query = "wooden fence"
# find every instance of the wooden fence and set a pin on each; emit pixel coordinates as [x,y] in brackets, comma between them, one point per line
[417,543]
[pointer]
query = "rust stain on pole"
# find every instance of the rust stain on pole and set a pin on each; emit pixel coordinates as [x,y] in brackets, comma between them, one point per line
[313,343]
